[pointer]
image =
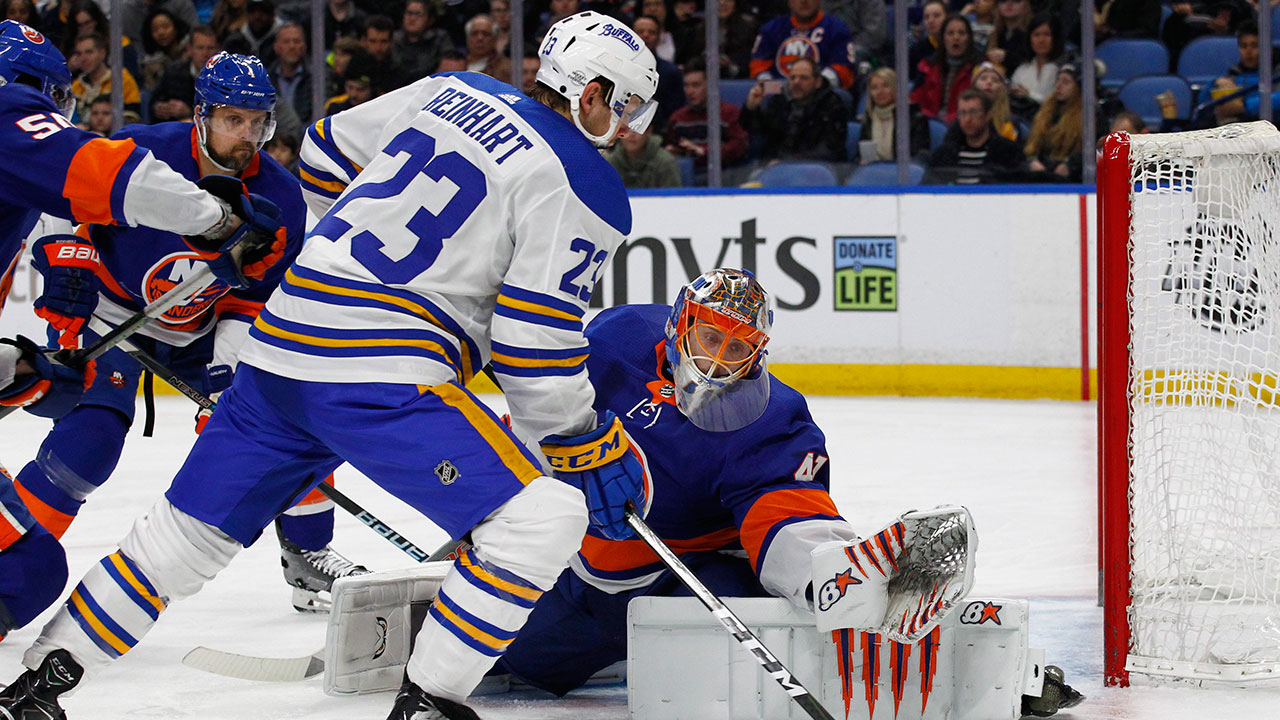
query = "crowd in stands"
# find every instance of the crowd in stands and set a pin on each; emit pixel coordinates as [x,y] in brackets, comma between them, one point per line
[995,86]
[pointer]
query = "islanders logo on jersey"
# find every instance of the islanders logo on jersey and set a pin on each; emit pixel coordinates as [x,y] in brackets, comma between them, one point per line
[166,274]
[796,47]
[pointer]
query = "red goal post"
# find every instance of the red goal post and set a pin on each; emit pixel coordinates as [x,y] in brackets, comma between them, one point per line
[1189,411]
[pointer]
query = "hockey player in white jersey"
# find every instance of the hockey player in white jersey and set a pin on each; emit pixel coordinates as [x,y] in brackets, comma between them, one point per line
[464,221]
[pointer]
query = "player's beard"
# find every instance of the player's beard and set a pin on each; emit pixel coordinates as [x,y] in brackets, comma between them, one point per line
[236,160]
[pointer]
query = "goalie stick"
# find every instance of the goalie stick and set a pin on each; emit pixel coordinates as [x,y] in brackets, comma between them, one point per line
[731,622]
[199,280]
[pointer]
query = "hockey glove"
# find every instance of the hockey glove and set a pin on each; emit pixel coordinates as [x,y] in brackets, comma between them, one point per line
[258,242]
[216,379]
[607,469]
[68,264]
[53,389]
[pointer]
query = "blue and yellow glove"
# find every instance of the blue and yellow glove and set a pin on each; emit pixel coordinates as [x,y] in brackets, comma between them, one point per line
[607,469]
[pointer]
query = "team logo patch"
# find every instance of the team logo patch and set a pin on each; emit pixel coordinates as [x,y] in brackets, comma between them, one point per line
[447,472]
[32,34]
[832,591]
[167,273]
[794,48]
[117,378]
[978,612]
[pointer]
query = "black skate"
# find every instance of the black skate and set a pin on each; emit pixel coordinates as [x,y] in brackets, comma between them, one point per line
[412,703]
[1056,695]
[34,695]
[312,572]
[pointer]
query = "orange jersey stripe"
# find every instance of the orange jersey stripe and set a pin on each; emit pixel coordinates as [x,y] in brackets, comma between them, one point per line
[55,521]
[759,66]
[772,508]
[233,304]
[620,555]
[92,175]
[315,497]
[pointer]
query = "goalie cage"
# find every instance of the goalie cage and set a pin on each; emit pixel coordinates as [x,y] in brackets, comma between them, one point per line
[1189,427]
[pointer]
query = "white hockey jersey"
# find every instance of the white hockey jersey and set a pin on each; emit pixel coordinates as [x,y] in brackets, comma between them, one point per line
[461,224]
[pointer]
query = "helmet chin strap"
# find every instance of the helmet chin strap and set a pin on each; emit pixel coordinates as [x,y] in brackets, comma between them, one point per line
[600,141]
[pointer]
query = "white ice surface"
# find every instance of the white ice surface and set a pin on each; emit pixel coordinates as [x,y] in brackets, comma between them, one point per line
[1027,470]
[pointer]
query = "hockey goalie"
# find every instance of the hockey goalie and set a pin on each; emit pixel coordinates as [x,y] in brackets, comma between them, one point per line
[876,626]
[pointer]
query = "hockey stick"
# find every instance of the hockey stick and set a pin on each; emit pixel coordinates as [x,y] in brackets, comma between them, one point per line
[731,622]
[199,280]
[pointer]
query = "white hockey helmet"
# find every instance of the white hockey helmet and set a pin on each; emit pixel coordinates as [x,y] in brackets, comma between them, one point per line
[588,45]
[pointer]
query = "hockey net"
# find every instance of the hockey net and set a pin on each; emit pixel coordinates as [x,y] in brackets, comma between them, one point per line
[1189,417]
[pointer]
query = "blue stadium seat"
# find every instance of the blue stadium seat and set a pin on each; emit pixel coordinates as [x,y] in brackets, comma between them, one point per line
[937,131]
[851,136]
[884,173]
[797,174]
[1127,59]
[1139,95]
[686,170]
[1207,58]
[735,92]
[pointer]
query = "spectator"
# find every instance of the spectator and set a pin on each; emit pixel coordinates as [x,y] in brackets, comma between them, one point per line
[808,122]
[806,32]
[101,115]
[949,72]
[866,20]
[687,127]
[879,121]
[1035,78]
[228,17]
[1130,122]
[560,9]
[500,11]
[357,83]
[982,18]
[376,40]
[482,51]
[284,149]
[257,36]
[972,153]
[1009,46]
[666,47]
[175,96]
[419,44]
[165,43]
[57,23]
[988,80]
[344,48]
[95,80]
[737,37]
[684,27]
[134,13]
[1245,71]
[24,11]
[341,19]
[88,19]
[529,65]
[928,37]
[291,73]
[670,94]
[1053,149]
[452,61]
[642,163]
[1129,18]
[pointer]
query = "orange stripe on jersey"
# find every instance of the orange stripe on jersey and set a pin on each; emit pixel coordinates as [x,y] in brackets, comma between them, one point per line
[55,521]
[315,497]
[759,66]
[772,508]
[92,175]
[619,555]
[233,304]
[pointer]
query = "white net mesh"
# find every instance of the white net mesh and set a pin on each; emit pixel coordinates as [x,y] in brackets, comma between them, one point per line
[1205,425]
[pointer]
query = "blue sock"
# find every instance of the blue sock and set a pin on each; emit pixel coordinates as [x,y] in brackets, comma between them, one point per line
[33,572]
[309,532]
[76,457]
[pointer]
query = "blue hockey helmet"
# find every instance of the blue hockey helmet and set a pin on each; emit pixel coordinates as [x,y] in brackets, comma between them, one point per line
[27,57]
[238,81]
[716,337]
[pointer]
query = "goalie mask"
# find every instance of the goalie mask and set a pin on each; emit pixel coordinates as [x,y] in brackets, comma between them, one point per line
[589,46]
[716,335]
[241,84]
[29,58]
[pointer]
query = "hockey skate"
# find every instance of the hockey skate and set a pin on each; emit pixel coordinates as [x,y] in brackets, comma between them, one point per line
[412,703]
[312,572]
[1056,695]
[34,695]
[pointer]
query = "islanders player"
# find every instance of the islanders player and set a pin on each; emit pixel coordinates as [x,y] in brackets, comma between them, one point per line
[49,166]
[806,32]
[198,339]
[465,222]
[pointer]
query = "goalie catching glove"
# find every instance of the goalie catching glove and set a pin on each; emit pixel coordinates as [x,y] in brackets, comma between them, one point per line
[900,581]
[251,248]
[609,471]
